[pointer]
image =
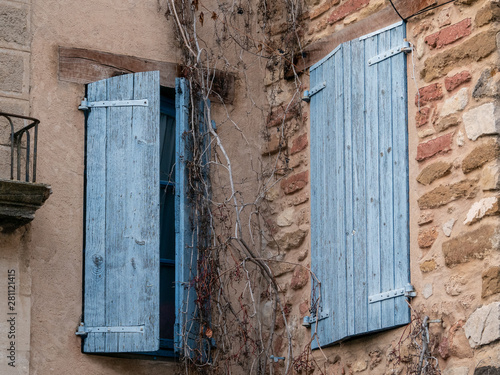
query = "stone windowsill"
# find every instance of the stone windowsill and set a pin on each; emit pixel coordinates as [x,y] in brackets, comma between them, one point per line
[19,201]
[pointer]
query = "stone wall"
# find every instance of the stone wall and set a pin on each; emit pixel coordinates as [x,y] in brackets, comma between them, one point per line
[454,125]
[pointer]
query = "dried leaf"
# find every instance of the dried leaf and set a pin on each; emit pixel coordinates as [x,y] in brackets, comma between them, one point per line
[214,16]
[194,3]
[202,18]
[259,47]
[208,333]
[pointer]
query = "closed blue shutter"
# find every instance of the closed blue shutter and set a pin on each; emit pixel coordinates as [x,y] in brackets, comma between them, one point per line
[121,297]
[359,186]
[186,327]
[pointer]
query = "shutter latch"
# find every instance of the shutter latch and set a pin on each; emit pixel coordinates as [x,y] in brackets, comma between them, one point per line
[84,331]
[112,103]
[407,291]
[308,93]
[308,320]
[405,47]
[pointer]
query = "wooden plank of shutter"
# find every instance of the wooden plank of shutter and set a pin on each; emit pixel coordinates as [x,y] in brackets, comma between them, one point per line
[127,292]
[359,174]
[185,245]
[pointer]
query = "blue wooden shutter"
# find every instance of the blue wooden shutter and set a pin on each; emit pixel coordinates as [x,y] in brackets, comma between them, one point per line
[359,185]
[121,298]
[186,327]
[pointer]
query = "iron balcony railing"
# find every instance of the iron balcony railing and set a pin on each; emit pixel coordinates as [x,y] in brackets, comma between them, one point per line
[17,147]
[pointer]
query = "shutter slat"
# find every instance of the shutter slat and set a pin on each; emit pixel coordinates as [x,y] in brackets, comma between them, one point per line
[359,179]
[131,239]
[386,180]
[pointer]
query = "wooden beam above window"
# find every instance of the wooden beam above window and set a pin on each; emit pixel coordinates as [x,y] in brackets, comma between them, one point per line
[84,66]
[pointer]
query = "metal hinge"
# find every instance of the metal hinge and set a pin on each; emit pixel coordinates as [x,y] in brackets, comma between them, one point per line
[311,92]
[84,331]
[405,47]
[112,103]
[407,291]
[308,320]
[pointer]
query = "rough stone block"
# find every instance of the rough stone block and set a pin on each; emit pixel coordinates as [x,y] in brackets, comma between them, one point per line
[346,8]
[428,94]
[283,114]
[445,194]
[448,227]
[433,172]
[427,291]
[487,370]
[489,13]
[490,177]
[457,371]
[286,217]
[428,266]
[435,146]
[290,238]
[451,83]
[300,278]
[449,34]
[446,122]
[470,245]
[426,237]
[483,120]
[485,207]
[488,84]
[273,144]
[12,72]
[483,326]
[473,49]
[491,281]
[425,217]
[456,103]
[482,154]
[299,144]
[295,182]
[14,25]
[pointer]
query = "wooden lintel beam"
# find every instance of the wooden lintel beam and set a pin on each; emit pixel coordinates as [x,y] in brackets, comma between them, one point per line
[83,66]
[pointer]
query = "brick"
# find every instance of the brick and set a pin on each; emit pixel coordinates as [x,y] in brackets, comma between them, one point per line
[422,117]
[426,237]
[300,278]
[445,194]
[483,325]
[346,8]
[470,245]
[449,34]
[11,72]
[471,50]
[295,182]
[456,103]
[428,266]
[482,154]
[451,83]
[433,172]
[485,207]
[299,144]
[428,94]
[435,146]
[283,114]
[491,281]
[316,12]
[14,26]
[489,13]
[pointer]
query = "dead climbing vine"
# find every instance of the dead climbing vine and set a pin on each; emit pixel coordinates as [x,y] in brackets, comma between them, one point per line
[241,320]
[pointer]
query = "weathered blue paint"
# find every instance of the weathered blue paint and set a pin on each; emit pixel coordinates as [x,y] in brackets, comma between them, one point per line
[359,186]
[186,328]
[122,216]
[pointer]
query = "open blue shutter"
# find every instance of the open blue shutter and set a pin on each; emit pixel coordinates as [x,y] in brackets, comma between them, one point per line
[359,186]
[121,298]
[186,327]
